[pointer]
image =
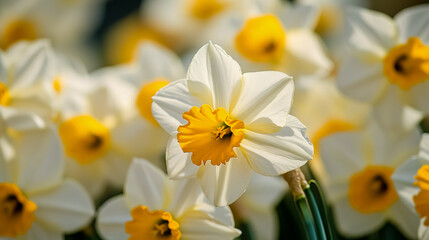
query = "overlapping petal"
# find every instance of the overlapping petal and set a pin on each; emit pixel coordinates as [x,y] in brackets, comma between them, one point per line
[280,152]
[111,219]
[179,164]
[413,21]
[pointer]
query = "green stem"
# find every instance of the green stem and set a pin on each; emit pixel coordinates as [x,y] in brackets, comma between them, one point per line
[302,206]
[320,229]
[315,190]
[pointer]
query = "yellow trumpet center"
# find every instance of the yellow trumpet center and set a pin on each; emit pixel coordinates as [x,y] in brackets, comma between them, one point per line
[144,98]
[408,64]
[84,139]
[210,135]
[21,29]
[155,225]
[371,190]
[16,212]
[4,95]
[261,39]
[205,9]
[421,200]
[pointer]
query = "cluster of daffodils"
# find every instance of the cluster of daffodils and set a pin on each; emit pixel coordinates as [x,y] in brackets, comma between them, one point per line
[185,134]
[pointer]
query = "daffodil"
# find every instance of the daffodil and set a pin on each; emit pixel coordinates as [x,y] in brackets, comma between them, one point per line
[281,39]
[359,183]
[388,64]
[25,70]
[257,205]
[154,207]
[325,111]
[92,140]
[411,180]
[225,125]
[36,201]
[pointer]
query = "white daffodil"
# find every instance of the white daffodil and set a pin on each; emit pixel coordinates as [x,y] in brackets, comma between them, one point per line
[66,23]
[36,202]
[280,39]
[92,140]
[25,71]
[186,21]
[154,208]
[411,181]
[389,63]
[226,125]
[257,205]
[359,168]
[154,68]
[325,111]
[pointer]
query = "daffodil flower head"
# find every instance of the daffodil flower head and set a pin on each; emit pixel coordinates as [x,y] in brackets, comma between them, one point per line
[225,125]
[166,209]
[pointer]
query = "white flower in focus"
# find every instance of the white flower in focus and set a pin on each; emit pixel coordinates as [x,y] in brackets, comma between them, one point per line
[359,167]
[154,208]
[411,181]
[36,202]
[226,125]
[258,204]
[389,64]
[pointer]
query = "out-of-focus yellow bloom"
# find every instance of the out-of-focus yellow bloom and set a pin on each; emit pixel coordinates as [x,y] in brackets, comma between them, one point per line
[144,98]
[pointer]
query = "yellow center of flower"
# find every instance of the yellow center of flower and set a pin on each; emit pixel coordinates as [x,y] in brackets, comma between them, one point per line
[261,39]
[57,84]
[144,98]
[371,190]
[210,135]
[84,138]
[408,64]
[421,200]
[330,127]
[4,95]
[17,30]
[155,225]
[205,9]
[16,212]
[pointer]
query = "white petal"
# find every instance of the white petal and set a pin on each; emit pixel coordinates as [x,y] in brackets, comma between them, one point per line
[185,194]
[196,225]
[145,185]
[41,163]
[413,21]
[403,178]
[67,208]
[223,184]
[423,231]
[369,33]
[264,192]
[417,96]
[392,148]
[118,163]
[265,224]
[299,15]
[347,219]
[405,219]
[392,114]
[342,154]
[179,164]
[424,149]
[265,101]
[170,103]
[156,61]
[111,219]
[362,80]
[212,66]
[280,152]
[33,62]
[21,119]
[38,231]
[305,54]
